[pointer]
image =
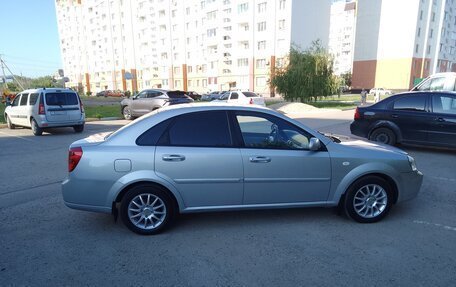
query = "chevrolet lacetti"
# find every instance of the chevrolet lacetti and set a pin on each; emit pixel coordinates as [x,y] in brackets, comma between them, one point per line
[203,157]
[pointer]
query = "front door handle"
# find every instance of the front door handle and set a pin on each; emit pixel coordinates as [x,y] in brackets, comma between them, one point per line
[394,116]
[173,157]
[440,120]
[260,159]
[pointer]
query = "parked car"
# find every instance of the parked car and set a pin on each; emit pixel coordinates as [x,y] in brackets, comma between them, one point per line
[43,108]
[212,96]
[242,98]
[194,95]
[151,99]
[168,162]
[438,82]
[110,93]
[425,118]
[380,91]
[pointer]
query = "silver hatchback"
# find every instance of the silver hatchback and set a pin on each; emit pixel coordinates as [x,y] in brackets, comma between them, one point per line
[202,157]
[40,109]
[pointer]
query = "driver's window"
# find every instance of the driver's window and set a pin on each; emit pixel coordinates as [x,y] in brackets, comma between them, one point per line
[142,95]
[16,101]
[263,131]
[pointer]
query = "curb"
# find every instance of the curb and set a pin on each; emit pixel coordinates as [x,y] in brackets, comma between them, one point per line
[4,126]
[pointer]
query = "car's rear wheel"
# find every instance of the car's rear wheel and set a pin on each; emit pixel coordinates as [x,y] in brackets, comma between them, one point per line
[78,128]
[383,135]
[146,209]
[126,112]
[9,124]
[369,199]
[36,130]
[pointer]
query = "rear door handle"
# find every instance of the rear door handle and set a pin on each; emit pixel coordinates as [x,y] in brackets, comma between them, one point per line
[173,157]
[260,159]
[394,116]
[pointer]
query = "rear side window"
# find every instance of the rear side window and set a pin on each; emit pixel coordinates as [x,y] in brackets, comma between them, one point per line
[176,94]
[61,99]
[151,136]
[234,96]
[444,104]
[24,100]
[250,94]
[33,98]
[410,103]
[212,131]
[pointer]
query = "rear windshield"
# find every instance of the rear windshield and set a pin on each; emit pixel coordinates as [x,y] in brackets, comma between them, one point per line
[176,94]
[61,99]
[250,94]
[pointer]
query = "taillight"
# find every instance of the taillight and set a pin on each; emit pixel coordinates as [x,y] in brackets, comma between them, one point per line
[357,114]
[41,110]
[251,102]
[81,106]
[74,156]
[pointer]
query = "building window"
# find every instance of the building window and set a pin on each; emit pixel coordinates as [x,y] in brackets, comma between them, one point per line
[416,48]
[261,45]
[244,7]
[189,69]
[211,32]
[187,10]
[176,70]
[164,82]
[282,4]
[281,24]
[261,81]
[429,49]
[433,17]
[261,26]
[243,62]
[211,15]
[261,63]
[262,7]
[421,15]
[431,33]
[419,32]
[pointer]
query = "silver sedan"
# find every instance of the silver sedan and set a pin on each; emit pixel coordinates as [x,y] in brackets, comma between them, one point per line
[200,157]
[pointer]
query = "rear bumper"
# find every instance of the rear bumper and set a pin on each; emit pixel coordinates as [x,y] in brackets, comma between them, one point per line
[44,123]
[359,128]
[76,197]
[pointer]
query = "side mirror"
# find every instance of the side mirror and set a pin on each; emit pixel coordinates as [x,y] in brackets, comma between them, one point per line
[314,144]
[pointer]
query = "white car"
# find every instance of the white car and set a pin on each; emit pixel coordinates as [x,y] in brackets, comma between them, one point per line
[241,98]
[380,91]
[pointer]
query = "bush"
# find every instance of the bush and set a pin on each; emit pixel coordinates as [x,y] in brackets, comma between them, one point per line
[88,94]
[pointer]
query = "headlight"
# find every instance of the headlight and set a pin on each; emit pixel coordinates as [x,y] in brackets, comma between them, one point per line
[412,163]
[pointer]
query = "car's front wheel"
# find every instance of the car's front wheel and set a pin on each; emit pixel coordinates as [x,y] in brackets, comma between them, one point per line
[369,199]
[9,124]
[383,135]
[146,209]
[126,112]
[36,128]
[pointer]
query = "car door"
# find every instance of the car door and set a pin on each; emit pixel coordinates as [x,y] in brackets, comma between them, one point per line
[410,114]
[443,123]
[196,154]
[13,111]
[21,111]
[139,104]
[278,166]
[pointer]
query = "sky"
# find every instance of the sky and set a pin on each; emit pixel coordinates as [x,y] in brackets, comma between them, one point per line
[29,40]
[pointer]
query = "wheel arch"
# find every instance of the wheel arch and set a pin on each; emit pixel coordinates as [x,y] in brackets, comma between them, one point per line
[386,124]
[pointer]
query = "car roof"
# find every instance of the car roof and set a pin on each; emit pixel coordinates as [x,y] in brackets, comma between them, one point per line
[48,90]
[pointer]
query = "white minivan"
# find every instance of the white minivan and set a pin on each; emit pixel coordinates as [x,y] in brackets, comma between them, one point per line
[46,108]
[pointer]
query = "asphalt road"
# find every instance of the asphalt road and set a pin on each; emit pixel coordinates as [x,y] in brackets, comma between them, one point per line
[44,243]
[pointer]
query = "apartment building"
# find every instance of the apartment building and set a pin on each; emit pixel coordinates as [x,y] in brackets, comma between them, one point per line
[193,45]
[342,35]
[400,42]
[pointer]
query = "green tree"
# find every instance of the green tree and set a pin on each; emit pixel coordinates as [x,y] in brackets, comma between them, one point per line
[347,78]
[44,82]
[308,75]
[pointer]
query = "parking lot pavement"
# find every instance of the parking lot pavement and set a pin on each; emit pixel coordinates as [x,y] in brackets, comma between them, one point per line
[42,242]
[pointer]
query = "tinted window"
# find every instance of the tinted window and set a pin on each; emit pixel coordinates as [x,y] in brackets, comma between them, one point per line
[250,94]
[412,103]
[176,94]
[61,99]
[234,96]
[33,98]
[263,131]
[153,94]
[212,130]
[24,99]
[142,95]
[151,136]
[437,84]
[16,100]
[444,104]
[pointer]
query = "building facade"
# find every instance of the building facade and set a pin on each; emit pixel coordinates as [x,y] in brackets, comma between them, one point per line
[400,42]
[342,35]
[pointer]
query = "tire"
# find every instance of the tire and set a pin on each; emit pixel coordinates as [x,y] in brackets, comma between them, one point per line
[9,124]
[126,112]
[151,204]
[35,128]
[368,200]
[383,135]
[78,128]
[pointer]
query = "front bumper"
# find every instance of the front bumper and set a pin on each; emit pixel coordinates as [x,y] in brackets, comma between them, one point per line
[411,185]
